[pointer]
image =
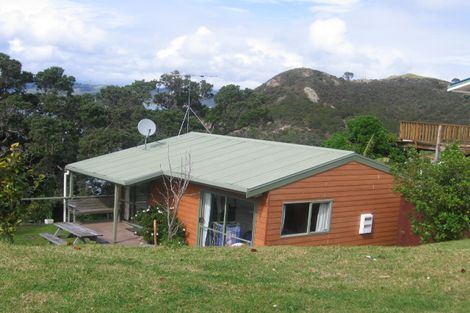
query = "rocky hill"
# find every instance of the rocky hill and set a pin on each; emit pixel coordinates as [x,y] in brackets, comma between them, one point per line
[308,105]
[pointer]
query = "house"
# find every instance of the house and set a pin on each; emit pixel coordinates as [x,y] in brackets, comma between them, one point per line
[434,136]
[462,86]
[258,192]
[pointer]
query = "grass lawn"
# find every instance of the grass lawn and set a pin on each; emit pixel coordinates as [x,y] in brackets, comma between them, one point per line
[29,234]
[106,278]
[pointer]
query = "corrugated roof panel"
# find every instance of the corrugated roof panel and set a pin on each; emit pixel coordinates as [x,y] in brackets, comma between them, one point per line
[240,164]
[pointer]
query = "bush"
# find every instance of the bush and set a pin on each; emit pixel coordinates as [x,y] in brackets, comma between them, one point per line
[365,135]
[16,182]
[145,219]
[37,211]
[440,193]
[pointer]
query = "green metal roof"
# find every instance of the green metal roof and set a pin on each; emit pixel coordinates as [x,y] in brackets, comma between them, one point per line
[243,165]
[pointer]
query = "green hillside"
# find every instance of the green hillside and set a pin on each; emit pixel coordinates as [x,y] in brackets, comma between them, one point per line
[308,105]
[99,278]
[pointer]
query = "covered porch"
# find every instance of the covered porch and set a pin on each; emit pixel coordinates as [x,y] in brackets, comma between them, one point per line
[121,206]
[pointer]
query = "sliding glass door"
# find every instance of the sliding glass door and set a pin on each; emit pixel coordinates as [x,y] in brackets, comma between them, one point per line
[225,220]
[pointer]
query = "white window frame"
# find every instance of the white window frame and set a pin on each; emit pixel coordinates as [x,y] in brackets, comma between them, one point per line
[226,196]
[309,221]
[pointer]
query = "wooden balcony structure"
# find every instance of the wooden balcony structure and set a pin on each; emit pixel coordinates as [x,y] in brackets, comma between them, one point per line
[429,136]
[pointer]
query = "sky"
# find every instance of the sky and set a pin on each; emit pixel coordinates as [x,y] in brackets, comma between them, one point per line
[243,42]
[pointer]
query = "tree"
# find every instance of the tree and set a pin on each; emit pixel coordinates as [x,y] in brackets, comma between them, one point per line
[175,90]
[53,142]
[53,80]
[16,182]
[348,76]
[440,193]
[92,114]
[236,108]
[15,105]
[95,142]
[339,140]
[124,106]
[175,184]
[12,78]
[365,135]
[13,125]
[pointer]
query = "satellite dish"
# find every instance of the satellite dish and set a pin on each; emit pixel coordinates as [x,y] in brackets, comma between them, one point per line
[146,128]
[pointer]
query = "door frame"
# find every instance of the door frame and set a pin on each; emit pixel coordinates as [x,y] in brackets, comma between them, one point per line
[226,195]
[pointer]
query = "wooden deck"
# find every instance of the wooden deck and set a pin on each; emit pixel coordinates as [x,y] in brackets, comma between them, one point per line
[125,233]
[424,136]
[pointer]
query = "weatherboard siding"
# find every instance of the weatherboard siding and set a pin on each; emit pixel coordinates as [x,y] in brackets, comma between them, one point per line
[188,212]
[355,189]
[262,207]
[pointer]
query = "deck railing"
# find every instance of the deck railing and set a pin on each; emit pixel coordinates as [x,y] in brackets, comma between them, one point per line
[427,133]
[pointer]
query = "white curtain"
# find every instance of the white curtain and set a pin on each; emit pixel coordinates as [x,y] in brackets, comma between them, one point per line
[323,220]
[206,206]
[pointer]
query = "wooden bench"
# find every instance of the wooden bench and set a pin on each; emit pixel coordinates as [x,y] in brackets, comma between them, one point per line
[98,205]
[53,239]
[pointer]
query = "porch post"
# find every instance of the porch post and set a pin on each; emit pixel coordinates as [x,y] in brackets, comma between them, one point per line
[117,192]
[127,197]
[438,144]
[64,219]
[70,195]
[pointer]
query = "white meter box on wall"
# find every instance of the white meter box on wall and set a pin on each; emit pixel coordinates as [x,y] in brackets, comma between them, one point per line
[365,227]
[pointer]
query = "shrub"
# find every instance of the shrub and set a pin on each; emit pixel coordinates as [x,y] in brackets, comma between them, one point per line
[440,193]
[365,135]
[16,182]
[37,211]
[145,219]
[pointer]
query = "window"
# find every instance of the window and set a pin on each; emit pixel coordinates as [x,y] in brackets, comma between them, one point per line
[225,220]
[306,218]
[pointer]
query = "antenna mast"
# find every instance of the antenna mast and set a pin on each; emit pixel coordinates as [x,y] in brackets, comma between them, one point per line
[189,110]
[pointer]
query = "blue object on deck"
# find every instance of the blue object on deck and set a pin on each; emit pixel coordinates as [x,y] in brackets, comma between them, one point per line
[232,232]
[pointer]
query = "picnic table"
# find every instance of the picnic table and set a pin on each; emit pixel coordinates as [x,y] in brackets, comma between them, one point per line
[78,231]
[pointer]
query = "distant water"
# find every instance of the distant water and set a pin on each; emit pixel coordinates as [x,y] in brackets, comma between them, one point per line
[83,88]
[78,88]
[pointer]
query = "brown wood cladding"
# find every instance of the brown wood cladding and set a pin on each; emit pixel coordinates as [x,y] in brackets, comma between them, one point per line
[188,212]
[355,189]
[261,220]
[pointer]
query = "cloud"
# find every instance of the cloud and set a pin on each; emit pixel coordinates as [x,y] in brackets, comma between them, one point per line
[317,6]
[173,49]
[244,59]
[233,9]
[34,52]
[244,43]
[333,6]
[330,35]
[439,5]
[47,26]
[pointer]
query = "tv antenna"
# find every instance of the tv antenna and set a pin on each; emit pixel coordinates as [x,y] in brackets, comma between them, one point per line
[189,110]
[146,128]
